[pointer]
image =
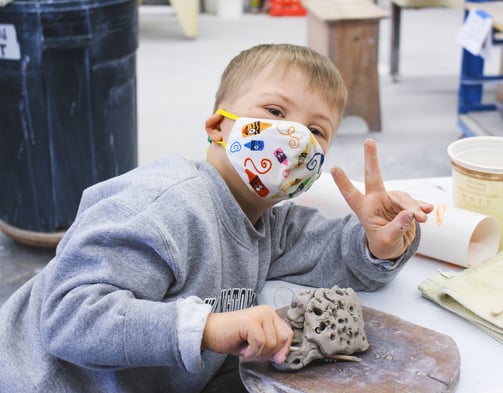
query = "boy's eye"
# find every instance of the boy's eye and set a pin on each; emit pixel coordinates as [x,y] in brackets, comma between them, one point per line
[275,112]
[315,131]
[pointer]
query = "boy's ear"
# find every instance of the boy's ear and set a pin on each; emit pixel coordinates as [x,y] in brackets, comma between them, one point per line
[213,127]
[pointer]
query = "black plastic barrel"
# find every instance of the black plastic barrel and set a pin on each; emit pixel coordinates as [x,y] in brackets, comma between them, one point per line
[68,113]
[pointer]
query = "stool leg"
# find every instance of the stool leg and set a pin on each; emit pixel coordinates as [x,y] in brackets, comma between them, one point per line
[499,89]
[187,12]
[396,14]
[354,49]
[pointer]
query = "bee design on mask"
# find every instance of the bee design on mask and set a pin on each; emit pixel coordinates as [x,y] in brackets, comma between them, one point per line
[302,158]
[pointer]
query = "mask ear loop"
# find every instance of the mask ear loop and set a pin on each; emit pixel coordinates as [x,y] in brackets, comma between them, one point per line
[221,143]
[228,115]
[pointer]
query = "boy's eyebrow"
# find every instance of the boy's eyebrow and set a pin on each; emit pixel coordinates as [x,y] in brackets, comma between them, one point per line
[322,116]
[325,119]
[279,94]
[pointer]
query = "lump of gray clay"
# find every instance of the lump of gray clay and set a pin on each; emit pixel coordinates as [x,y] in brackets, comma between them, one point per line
[326,323]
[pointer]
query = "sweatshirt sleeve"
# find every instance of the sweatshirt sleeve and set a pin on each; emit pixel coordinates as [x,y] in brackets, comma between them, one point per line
[106,300]
[316,251]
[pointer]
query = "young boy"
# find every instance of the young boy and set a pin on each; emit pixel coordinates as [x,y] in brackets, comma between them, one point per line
[155,282]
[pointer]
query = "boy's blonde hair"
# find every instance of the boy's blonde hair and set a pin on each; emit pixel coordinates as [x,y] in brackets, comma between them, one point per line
[321,72]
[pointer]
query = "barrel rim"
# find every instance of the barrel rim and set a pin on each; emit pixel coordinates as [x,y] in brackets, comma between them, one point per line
[37,6]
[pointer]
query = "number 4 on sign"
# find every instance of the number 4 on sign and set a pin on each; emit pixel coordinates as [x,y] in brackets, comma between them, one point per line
[9,47]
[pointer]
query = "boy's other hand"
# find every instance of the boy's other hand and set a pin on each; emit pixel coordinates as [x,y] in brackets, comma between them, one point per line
[388,218]
[254,333]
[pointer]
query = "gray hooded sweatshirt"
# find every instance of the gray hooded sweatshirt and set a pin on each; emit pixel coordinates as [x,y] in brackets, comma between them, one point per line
[123,304]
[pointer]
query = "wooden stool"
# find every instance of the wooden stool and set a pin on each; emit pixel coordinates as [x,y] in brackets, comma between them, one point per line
[347,31]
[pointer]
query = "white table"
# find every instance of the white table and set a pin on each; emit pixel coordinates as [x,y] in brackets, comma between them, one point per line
[481,355]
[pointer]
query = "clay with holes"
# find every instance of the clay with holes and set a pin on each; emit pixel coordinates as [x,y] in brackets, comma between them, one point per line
[326,323]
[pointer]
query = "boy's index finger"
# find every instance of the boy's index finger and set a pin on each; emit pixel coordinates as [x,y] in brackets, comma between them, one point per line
[373,177]
[351,194]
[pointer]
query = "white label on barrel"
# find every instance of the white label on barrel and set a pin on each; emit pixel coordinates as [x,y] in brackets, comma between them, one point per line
[9,47]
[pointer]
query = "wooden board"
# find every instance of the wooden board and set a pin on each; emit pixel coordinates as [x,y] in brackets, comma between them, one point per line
[403,358]
[334,10]
[494,8]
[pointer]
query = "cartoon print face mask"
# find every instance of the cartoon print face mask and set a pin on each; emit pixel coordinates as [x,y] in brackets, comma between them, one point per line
[278,159]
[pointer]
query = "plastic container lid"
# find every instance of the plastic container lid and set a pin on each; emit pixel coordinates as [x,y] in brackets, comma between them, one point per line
[478,153]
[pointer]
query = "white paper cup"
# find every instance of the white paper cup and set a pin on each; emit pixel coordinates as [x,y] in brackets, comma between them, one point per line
[477,176]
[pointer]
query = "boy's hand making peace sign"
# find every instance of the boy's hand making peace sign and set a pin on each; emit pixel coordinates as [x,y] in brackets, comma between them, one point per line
[388,218]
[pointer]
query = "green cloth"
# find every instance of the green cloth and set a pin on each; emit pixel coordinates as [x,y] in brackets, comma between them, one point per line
[475,294]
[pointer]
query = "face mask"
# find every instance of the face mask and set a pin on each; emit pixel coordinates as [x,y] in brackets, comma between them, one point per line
[278,159]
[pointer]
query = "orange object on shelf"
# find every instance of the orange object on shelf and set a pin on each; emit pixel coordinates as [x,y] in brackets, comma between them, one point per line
[286,8]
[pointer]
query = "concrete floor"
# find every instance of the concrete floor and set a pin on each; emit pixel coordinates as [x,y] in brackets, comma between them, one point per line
[177,79]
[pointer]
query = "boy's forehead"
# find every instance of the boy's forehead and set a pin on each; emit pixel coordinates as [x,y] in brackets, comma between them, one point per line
[291,77]
[282,69]
[279,73]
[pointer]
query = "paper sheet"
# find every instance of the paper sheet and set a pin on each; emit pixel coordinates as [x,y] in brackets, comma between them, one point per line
[451,234]
[9,46]
[475,34]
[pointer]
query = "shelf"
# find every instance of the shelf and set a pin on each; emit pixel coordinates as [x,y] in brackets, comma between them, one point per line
[477,116]
[481,123]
